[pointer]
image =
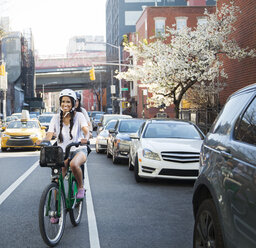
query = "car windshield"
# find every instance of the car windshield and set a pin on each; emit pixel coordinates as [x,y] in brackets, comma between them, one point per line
[46,118]
[25,124]
[172,130]
[111,124]
[97,116]
[11,118]
[130,126]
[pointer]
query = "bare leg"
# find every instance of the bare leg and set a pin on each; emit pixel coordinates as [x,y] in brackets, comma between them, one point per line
[75,164]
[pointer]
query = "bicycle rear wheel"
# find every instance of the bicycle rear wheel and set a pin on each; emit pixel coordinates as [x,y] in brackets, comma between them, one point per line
[76,211]
[48,208]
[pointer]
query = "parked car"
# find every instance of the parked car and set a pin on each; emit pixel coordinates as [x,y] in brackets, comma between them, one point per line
[101,139]
[224,198]
[17,115]
[45,120]
[166,148]
[96,120]
[108,117]
[93,113]
[22,133]
[9,119]
[118,142]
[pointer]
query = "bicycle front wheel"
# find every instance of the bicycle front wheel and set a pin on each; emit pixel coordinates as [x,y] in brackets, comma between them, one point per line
[76,211]
[52,216]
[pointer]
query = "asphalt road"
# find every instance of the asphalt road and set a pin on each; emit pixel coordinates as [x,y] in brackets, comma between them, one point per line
[127,214]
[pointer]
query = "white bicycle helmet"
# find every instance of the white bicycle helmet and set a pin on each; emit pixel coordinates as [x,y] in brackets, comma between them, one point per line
[71,94]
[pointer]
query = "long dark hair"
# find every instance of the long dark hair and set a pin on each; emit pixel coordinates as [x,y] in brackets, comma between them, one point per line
[72,114]
[78,108]
[78,97]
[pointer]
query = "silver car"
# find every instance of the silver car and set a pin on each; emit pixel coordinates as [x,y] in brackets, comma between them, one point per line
[101,139]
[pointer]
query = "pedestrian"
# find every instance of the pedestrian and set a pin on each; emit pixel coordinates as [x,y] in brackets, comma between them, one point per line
[70,126]
[79,108]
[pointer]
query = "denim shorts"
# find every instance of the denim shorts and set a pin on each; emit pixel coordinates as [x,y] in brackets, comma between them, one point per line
[81,149]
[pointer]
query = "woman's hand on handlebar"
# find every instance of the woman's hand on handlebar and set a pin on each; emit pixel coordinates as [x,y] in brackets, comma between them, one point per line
[38,142]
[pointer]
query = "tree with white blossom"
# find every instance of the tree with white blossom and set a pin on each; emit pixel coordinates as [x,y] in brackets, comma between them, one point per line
[190,58]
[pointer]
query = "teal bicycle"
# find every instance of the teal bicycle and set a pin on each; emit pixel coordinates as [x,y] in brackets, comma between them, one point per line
[54,202]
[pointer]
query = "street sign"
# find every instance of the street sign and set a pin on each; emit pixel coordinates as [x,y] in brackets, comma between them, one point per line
[124,89]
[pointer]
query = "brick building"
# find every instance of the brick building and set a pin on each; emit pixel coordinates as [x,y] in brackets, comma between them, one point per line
[241,73]
[154,20]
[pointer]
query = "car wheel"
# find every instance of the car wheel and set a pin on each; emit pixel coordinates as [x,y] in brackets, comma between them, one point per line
[136,171]
[108,154]
[207,230]
[130,166]
[4,149]
[114,158]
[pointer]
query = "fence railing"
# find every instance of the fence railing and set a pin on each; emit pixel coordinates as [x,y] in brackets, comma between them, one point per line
[203,118]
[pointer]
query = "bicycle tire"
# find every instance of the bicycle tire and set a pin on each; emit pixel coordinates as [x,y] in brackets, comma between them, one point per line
[51,233]
[76,213]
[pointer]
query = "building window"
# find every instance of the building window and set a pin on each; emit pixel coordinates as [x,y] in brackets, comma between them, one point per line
[181,22]
[131,17]
[159,26]
[201,20]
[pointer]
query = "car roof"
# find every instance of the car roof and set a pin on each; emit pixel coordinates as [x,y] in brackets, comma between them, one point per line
[168,120]
[248,88]
[131,119]
[115,115]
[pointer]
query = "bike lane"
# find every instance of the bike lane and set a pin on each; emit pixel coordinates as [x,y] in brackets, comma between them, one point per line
[19,211]
[13,165]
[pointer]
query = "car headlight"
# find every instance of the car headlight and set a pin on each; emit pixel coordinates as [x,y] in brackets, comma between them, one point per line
[34,135]
[150,155]
[6,135]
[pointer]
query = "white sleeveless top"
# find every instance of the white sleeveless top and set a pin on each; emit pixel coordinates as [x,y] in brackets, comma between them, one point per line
[77,132]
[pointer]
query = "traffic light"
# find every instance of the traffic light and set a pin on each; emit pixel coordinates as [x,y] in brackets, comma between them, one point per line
[2,70]
[92,74]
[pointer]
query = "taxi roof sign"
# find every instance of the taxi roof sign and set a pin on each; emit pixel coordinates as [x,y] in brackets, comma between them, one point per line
[24,115]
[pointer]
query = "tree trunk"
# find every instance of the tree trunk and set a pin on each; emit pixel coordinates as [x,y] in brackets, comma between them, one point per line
[177,110]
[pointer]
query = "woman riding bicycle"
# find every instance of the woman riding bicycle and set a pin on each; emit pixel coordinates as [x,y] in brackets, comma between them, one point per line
[70,126]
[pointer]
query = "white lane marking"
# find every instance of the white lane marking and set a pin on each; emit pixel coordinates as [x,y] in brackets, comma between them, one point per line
[92,224]
[8,191]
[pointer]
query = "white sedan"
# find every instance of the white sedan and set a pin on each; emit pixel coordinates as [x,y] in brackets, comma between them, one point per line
[166,149]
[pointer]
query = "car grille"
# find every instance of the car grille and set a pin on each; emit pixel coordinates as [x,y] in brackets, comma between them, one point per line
[181,173]
[181,157]
[19,141]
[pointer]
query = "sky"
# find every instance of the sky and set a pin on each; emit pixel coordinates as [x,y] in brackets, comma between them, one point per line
[54,22]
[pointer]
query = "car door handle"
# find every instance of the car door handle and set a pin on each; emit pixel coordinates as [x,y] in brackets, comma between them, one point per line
[226,154]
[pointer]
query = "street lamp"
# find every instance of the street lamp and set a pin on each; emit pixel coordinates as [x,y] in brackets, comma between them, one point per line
[120,84]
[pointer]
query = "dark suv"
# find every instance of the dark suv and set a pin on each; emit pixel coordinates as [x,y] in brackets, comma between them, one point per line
[224,198]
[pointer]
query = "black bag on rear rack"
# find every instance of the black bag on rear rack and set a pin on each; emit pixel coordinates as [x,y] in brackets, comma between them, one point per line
[51,156]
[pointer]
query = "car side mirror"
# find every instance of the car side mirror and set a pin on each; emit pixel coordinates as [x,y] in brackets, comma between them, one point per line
[111,130]
[43,127]
[3,129]
[134,136]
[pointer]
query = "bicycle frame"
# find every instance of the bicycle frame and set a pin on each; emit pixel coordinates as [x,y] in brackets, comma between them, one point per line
[69,200]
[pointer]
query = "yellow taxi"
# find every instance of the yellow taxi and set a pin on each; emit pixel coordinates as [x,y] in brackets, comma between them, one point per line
[22,133]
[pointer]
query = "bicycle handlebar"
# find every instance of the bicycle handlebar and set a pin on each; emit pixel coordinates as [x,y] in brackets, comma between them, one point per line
[76,144]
